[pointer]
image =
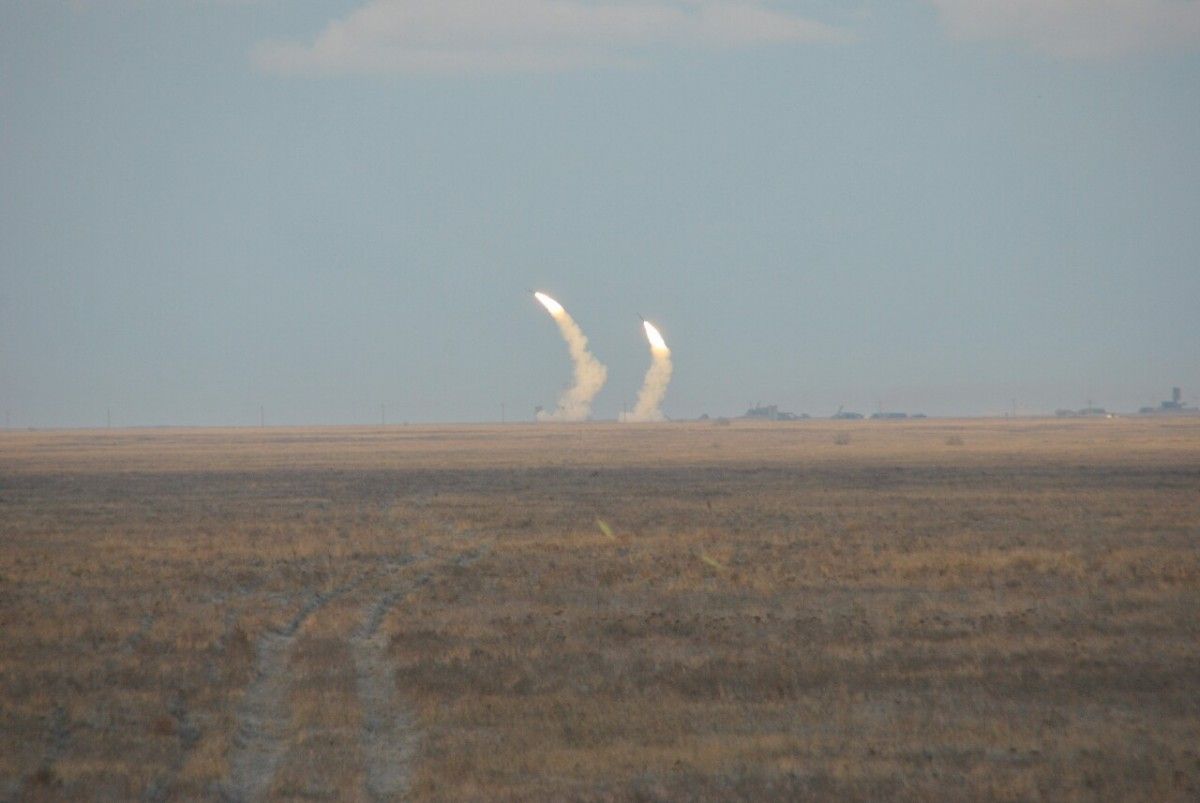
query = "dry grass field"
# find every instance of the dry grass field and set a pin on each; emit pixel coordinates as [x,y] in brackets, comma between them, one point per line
[927,610]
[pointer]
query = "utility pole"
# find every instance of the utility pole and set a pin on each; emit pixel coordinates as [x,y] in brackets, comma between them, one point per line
[108,417]
[262,416]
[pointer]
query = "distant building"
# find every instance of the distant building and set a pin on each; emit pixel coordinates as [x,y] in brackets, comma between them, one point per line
[771,412]
[1176,402]
[846,415]
[881,416]
[1174,405]
[765,412]
[1085,412]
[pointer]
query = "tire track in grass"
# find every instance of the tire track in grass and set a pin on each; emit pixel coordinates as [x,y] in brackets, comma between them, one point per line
[188,730]
[188,733]
[388,737]
[388,734]
[263,716]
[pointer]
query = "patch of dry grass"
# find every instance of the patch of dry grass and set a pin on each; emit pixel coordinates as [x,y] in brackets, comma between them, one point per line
[923,610]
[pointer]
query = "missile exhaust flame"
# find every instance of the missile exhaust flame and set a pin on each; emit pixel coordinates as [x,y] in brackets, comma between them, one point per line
[552,306]
[575,404]
[654,387]
[655,337]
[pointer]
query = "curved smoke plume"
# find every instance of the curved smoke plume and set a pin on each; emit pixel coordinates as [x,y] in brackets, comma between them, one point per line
[575,404]
[654,388]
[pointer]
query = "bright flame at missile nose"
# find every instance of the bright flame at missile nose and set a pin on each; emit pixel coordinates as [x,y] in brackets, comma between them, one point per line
[655,337]
[552,306]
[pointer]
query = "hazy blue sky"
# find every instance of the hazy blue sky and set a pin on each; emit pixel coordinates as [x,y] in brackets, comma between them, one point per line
[934,205]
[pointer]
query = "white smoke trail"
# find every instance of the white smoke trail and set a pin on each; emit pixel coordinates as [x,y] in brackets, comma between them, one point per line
[576,401]
[654,387]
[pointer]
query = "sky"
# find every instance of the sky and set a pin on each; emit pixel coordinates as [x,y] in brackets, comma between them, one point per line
[329,213]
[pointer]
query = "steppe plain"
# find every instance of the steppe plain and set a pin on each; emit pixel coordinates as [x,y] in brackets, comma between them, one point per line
[922,610]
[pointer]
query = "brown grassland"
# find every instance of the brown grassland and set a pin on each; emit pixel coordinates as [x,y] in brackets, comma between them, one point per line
[926,610]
